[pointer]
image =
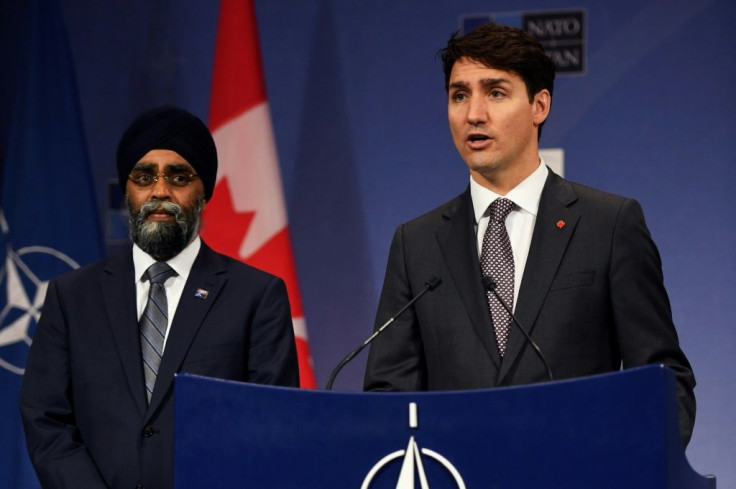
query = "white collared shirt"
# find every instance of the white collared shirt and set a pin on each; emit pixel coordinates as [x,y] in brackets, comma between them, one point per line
[182,265]
[520,221]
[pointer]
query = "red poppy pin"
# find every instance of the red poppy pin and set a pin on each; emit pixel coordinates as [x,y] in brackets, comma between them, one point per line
[560,224]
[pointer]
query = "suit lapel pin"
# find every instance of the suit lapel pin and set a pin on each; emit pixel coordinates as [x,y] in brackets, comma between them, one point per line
[201,294]
[560,224]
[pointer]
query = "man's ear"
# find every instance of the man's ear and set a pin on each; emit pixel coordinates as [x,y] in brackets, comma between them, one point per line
[541,105]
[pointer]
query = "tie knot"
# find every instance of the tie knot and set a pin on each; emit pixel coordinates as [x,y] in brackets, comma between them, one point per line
[159,272]
[500,208]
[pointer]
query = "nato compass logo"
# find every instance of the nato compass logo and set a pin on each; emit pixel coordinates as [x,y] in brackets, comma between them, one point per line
[24,278]
[413,460]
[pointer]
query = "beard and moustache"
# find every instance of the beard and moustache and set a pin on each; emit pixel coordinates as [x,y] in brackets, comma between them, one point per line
[164,240]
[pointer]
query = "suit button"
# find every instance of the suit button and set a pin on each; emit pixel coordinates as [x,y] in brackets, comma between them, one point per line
[147,432]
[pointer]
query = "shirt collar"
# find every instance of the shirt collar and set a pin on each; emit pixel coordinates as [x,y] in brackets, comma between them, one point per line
[526,195]
[181,263]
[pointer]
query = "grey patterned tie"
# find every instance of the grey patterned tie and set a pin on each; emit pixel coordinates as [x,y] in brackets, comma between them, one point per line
[497,261]
[153,323]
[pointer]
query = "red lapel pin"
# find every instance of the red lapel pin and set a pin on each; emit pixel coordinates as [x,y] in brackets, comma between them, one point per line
[560,224]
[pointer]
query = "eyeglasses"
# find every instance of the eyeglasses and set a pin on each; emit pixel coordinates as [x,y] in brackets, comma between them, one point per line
[176,178]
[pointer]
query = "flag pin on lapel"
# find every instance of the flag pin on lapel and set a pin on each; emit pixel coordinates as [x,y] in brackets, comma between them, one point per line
[201,294]
[560,224]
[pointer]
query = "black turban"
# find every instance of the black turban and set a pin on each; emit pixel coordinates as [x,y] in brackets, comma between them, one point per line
[170,128]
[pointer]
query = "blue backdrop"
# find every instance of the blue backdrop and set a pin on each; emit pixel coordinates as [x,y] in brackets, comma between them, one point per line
[358,106]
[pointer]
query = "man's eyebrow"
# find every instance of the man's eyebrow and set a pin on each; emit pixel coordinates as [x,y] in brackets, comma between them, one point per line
[143,166]
[488,82]
[179,167]
[461,85]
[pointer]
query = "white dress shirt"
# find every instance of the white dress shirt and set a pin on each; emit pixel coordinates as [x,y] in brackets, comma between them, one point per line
[520,221]
[182,265]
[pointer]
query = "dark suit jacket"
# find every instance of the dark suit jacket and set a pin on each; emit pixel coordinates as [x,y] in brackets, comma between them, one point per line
[83,398]
[592,297]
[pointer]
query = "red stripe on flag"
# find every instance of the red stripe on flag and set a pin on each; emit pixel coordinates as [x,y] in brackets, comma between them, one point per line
[306,370]
[276,257]
[237,80]
[237,88]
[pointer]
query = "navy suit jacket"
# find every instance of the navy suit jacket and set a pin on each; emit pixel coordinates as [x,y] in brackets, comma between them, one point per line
[83,399]
[592,297]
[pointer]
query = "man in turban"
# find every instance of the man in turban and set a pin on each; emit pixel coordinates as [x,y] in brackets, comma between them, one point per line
[97,395]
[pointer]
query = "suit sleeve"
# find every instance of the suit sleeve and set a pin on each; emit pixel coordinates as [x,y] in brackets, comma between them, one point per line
[56,447]
[272,355]
[396,358]
[641,308]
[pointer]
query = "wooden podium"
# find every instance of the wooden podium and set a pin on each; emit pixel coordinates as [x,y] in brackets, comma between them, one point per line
[616,430]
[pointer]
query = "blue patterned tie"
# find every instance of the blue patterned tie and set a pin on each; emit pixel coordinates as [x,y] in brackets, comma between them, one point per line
[153,323]
[497,261]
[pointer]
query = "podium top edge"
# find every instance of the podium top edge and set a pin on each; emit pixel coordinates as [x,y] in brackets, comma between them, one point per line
[654,370]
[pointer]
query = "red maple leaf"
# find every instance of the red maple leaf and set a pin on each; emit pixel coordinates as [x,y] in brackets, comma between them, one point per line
[224,228]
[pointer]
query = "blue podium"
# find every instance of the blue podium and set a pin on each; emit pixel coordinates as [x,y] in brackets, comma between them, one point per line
[616,430]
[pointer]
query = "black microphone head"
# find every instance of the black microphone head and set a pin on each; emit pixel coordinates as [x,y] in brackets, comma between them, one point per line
[433,282]
[488,283]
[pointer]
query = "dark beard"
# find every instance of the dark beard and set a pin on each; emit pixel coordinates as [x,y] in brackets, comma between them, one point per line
[164,240]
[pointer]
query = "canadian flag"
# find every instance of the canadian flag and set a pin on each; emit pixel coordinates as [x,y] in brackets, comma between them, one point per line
[246,218]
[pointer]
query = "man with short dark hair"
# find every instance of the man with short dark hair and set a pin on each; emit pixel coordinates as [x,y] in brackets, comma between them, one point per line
[97,395]
[577,265]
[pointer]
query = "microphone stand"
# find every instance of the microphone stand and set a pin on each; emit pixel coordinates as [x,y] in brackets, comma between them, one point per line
[430,284]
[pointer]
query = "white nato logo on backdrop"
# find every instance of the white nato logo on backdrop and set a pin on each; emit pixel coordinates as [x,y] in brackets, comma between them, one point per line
[22,292]
[412,461]
[562,33]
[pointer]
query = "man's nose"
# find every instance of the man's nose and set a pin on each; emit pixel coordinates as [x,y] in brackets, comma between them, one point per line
[477,111]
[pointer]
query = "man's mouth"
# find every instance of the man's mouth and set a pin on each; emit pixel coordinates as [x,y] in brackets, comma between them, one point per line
[159,214]
[478,141]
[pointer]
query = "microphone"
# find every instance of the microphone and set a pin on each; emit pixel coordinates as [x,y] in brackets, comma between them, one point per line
[429,285]
[491,285]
